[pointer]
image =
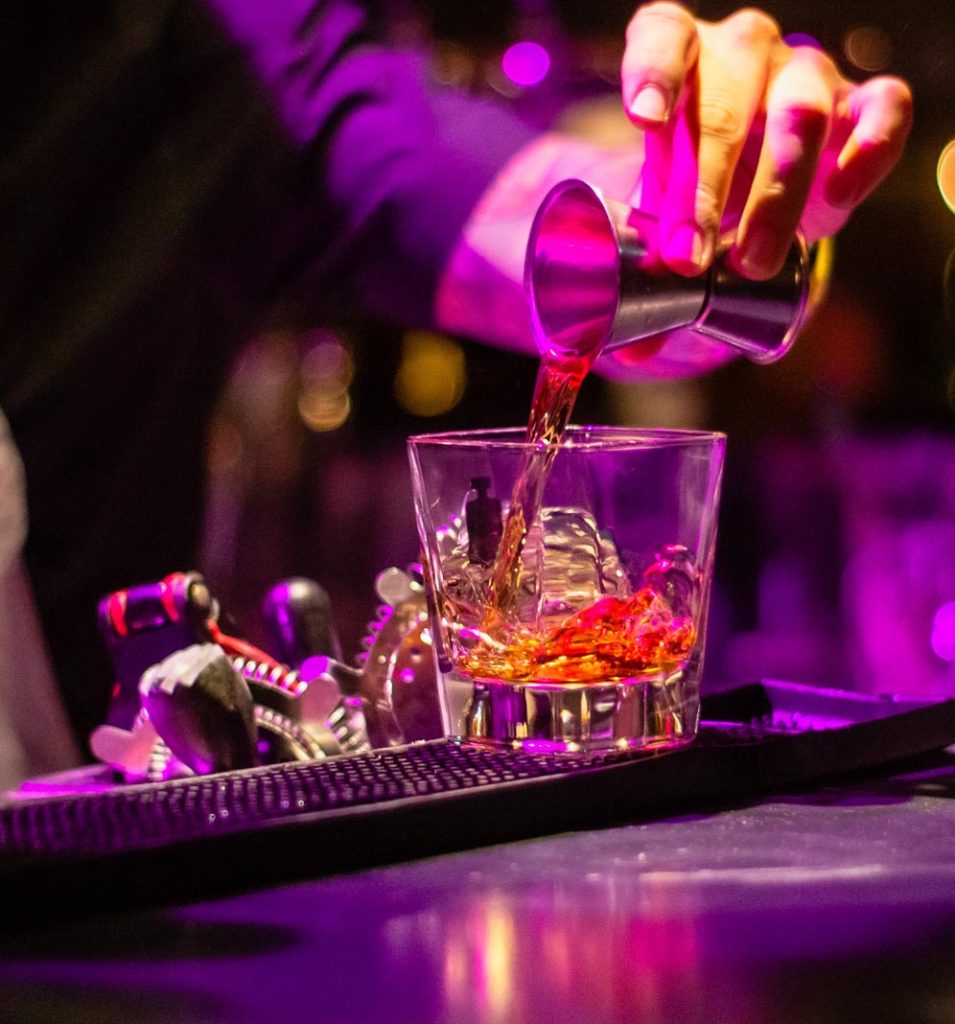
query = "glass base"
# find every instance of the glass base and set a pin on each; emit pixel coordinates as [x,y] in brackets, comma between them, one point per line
[633,714]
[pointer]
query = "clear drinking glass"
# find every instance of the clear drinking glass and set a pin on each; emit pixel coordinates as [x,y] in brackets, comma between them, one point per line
[583,628]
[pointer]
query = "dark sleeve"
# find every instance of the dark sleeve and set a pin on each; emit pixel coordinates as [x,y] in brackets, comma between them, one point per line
[389,170]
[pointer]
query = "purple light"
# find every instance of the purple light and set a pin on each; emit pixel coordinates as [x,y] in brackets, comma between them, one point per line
[943,632]
[313,666]
[525,63]
[801,39]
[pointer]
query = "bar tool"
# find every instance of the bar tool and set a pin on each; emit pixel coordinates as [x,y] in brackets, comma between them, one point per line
[186,722]
[298,614]
[202,708]
[595,282]
[143,624]
[395,679]
[188,697]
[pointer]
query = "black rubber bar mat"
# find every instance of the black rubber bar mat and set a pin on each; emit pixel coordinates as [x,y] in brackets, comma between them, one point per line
[134,846]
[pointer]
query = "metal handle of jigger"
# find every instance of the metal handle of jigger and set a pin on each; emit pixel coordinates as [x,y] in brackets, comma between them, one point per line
[595,282]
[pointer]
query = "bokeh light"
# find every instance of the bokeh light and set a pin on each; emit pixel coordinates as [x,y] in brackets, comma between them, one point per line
[943,632]
[327,369]
[945,175]
[868,47]
[526,63]
[432,376]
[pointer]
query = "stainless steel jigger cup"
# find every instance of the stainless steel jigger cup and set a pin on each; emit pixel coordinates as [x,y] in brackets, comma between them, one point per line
[596,282]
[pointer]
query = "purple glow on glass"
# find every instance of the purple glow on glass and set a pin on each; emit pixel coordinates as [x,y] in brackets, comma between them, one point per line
[943,632]
[526,63]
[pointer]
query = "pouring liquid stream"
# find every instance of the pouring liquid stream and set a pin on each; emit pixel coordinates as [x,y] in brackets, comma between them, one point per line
[556,390]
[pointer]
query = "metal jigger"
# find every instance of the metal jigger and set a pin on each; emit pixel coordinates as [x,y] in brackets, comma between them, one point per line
[596,282]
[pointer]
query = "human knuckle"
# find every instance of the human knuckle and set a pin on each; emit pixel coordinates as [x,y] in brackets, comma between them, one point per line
[894,92]
[721,119]
[660,12]
[819,63]
[749,25]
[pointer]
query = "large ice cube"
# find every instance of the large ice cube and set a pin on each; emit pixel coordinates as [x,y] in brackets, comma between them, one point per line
[567,564]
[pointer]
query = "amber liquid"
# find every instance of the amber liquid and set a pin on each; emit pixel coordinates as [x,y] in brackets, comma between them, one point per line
[613,639]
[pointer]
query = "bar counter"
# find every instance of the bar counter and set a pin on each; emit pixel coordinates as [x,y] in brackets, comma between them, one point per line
[830,903]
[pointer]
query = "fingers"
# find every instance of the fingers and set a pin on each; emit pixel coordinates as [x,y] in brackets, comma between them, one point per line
[706,91]
[723,99]
[662,45]
[882,113]
[828,144]
[799,112]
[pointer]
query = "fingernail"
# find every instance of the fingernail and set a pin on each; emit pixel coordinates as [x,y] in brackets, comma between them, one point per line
[758,253]
[650,104]
[685,248]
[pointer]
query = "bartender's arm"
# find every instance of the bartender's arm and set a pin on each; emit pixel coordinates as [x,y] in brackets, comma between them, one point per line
[737,125]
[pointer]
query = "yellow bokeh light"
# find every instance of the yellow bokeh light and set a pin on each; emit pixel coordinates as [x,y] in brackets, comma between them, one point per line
[945,175]
[432,376]
[324,408]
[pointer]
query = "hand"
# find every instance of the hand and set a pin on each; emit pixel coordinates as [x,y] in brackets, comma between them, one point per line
[742,128]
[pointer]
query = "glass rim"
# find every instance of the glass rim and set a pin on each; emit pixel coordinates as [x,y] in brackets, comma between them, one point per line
[574,436]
